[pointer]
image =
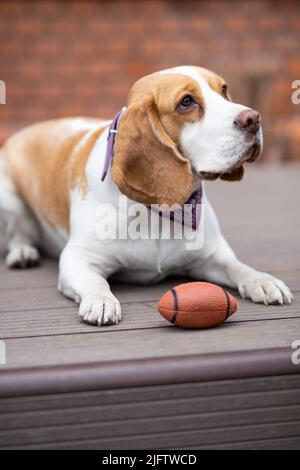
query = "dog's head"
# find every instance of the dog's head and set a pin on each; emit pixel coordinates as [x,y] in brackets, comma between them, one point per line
[181,126]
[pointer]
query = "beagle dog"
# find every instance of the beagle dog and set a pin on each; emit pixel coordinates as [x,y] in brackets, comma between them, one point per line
[179,129]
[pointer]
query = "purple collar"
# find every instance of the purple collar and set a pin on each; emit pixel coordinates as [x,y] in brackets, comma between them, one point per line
[190,212]
[110,143]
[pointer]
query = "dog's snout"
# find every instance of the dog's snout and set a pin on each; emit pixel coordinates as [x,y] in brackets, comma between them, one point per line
[248,120]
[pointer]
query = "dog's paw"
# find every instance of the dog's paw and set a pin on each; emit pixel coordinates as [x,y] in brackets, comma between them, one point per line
[264,288]
[22,257]
[100,310]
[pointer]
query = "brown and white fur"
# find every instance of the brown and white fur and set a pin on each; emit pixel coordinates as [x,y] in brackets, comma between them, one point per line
[50,189]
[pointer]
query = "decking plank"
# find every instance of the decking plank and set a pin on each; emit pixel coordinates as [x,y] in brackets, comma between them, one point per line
[166,440]
[159,424]
[43,276]
[279,443]
[222,396]
[47,297]
[273,403]
[47,321]
[160,342]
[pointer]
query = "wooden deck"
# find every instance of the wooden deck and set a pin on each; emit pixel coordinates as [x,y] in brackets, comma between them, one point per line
[146,383]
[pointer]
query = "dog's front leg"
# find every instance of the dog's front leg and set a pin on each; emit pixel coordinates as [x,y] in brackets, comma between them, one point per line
[80,279]
[223,267]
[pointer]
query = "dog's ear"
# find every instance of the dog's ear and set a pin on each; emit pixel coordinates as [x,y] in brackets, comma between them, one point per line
[235,175]
[147,165]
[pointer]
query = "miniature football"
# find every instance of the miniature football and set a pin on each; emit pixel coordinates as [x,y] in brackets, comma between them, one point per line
[197,305]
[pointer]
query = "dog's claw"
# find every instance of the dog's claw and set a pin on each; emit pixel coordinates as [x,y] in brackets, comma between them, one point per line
[100,310]
[266,289]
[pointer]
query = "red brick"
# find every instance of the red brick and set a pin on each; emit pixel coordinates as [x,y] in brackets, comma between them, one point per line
[46,48]
[65,26]
[237,24]
[281,98]
[137,69]
[29,27]
[295,23]
[270,22]
[294,67]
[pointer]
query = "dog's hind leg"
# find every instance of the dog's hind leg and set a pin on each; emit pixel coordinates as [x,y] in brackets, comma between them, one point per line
[19,231]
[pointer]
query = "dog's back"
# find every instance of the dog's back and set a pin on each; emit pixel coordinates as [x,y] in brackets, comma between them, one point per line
[45,160]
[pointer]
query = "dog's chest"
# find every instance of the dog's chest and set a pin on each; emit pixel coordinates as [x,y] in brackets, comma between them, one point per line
[152,260]
[128,239]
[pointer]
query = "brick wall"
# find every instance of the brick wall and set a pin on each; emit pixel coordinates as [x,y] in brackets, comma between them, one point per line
[63,58]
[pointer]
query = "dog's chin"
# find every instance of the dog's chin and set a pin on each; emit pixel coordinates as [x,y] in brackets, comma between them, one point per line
[254,152]
[250,156]
[213,175]
[209,175]
[233,174]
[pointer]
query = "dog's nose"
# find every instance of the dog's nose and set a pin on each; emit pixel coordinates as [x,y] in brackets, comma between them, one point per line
[248,120]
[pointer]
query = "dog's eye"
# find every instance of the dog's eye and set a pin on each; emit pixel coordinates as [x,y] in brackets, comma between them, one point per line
[186,103]
[225,92]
